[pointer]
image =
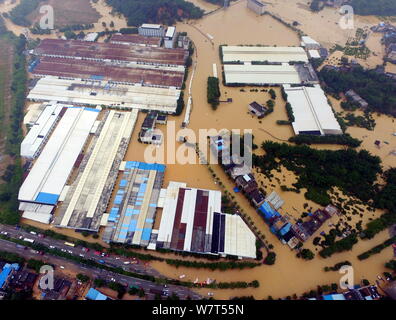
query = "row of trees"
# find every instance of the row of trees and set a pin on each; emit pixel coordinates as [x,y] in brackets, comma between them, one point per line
[155,11]
[213,92]
[377,249]
[13,133]
[342,139]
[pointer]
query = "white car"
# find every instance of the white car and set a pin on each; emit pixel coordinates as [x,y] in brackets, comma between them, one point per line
[126,262]
[62,267]
[81,255]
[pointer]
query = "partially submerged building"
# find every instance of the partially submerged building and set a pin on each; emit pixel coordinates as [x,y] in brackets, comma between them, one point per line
[312,112]
[191,220]
[257,6]
[354,97]
[263,54]
[148,133]
[257,109]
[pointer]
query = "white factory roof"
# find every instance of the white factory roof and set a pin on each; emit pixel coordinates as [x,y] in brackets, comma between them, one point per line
[261,74]
[40,130]
[52,168]
[92,36]
[312,111]
[170,32]
[44,218]
[239,239]
[169,210]
[93,179]
[150,26]
[309,40]
[34,112]
[314,54]
[102,93]
[270,54]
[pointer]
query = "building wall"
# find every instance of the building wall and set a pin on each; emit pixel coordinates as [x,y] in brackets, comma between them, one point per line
[256,6]
[151,32]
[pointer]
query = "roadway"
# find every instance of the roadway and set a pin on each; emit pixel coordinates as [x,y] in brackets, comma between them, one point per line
[111,261]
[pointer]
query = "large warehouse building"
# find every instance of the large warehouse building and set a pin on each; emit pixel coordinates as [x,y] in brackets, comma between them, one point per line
[191,220]
[137,74]
[97,92]
[87,199]
[132,216]
[312,112]
[43,186]
[261,74]
[110,52]
[263,54]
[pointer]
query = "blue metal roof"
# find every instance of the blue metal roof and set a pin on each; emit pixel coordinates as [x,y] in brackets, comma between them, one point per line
[47,198]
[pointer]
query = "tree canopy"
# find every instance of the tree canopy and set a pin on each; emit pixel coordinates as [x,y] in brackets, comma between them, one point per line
[155,11]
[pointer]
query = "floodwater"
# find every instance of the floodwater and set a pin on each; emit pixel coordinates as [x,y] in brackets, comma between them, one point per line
[290,274]
[237,25]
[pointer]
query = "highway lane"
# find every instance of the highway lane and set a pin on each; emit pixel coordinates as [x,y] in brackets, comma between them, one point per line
[93,273]
[112,261]
[134,265]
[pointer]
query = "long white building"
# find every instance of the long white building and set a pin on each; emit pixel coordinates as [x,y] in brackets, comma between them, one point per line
[39,132]
[269,54]
[87,199]
[312,112]
[261,74]
[93,93]
[43,186]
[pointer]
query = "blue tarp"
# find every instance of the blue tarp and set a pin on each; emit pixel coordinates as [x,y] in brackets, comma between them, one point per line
[5,273]
[268,212]
[94,294]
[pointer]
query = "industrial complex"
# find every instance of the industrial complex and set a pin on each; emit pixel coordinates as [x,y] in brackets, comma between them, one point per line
[263,54]
[191,220]
[255,65]
[132,215]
